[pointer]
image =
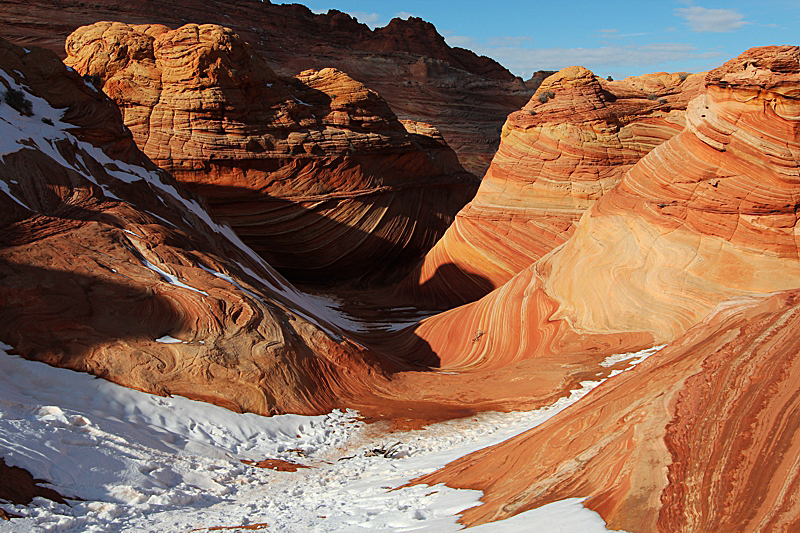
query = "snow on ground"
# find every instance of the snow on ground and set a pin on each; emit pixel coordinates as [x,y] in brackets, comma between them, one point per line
[150,464]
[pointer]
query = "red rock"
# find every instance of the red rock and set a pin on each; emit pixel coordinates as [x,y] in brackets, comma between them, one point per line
[687,248]
[696,438]
[276,464]
[101,257]
[569,145]
[18,486]
[708,216]
[465,96]
[315,173]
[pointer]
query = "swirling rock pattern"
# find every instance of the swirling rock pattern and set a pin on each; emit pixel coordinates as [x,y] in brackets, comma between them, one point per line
[315,172]
[709,215]
[687,248]
[465,96]
[108,266]
[569,145]
[700,437]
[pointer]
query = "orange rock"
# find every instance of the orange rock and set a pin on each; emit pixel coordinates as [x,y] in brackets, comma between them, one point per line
[696,438]
[572,143]
[465,96]
[109,267]
[707,216]
[690,247]
[314,172]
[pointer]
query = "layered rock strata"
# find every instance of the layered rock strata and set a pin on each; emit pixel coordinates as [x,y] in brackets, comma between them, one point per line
[108,266]
[700,437]
[568,146]
[315,172]
[467,97]
[705,217]
[708,216]
[690,248]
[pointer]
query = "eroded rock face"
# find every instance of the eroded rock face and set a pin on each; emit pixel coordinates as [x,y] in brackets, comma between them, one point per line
[108,266]
[315,172]
[707,216]
[691,247]
[467,97]
[568,146]
[696,438]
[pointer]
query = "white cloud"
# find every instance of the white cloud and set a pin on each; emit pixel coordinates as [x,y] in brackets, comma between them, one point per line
[464,42]
[404,15]
[373,20]
[524,61]
[701,19]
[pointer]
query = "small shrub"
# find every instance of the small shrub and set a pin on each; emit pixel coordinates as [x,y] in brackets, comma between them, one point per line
[545,96]
[662,100]
[16,99]
[609,78]
[652,96]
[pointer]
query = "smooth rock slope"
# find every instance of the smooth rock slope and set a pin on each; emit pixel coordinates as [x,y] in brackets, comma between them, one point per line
[697,247]
[568,146]
[707,216]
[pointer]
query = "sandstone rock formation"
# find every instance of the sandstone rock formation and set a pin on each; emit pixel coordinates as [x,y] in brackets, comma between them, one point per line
[315,172]
[705,217]
[465,96]
[691,248]
[700,437]
[108,266]
[569,145]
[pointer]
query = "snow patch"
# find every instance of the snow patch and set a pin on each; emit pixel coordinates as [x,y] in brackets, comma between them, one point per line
[169,278]
[152,464]
[166,339]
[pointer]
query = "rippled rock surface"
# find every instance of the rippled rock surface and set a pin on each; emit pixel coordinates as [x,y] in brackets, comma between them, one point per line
[314,172]
[108,266]
[567,147]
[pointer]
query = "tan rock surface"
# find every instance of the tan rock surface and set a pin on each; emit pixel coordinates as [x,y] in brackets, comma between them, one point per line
[697,438]
[568,146]
[315,172]
[707,216]
[690,247]
[467,97]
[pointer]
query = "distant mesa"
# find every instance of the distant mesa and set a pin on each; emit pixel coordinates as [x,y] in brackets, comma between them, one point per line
[314,172]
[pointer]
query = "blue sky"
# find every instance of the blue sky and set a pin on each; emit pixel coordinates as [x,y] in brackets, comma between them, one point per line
[618,38]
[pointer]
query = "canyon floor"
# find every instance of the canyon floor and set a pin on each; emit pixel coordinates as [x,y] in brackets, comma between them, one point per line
[172,464]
